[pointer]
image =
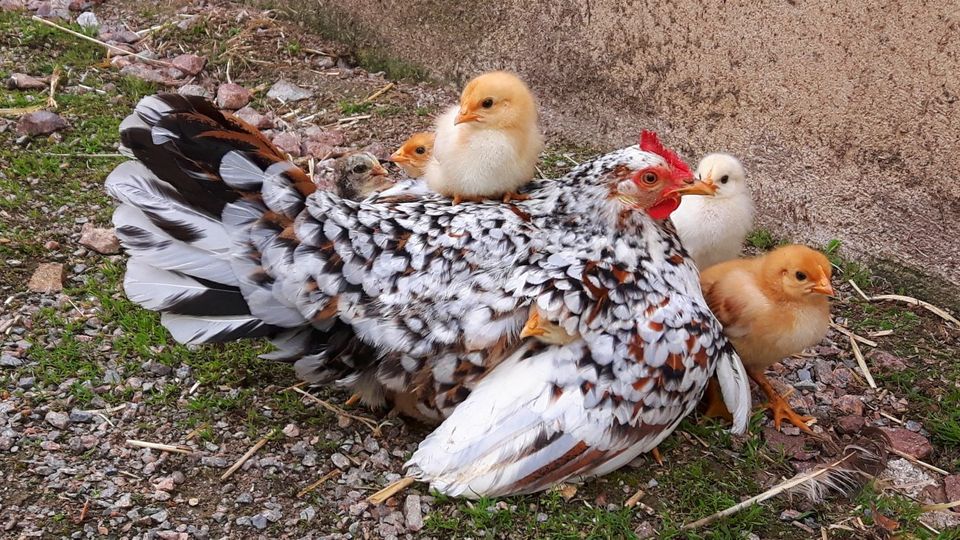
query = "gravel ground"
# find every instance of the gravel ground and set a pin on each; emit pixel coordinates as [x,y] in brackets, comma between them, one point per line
[83,372]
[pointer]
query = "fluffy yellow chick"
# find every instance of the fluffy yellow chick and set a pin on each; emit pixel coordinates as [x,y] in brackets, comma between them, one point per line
[414,153]
[771,307]
[488,146]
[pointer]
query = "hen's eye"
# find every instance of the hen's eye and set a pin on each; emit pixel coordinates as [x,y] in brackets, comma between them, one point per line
[420,150]
[801,276]
[360,169]
[487,103]
[649,178]
[724,179]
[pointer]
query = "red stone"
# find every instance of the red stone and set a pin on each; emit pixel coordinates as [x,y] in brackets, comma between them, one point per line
[40,123]
[951,486]
[190,64]
[909,442]
[232,96]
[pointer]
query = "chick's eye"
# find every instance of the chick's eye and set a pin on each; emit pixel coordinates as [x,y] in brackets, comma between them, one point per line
[360,169]
[724,179]
[487,103]
[801,276]
[649,178]
[420,150]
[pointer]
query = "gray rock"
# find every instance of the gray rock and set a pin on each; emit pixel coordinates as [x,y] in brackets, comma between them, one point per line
[22,81]
[194,90]
[57,419]
[340,461]
[273,515]
[259,521]
[308,513]
[412,513]
[88,20]
[9,360]
[213,461]
[79,417]
[160,516]
[111,376]
[287,91]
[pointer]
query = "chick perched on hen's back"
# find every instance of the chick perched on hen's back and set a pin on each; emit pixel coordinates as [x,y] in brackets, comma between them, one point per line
[771,307]
[713,229]
[414,153]
[488,146]
[353,176]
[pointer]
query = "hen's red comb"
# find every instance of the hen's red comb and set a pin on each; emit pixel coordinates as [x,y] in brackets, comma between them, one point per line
[649,142]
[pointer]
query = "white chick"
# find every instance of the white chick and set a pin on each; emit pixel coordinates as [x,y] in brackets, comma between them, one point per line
[713,229]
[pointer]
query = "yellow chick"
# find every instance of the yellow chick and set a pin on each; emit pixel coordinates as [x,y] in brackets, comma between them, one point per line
[771,307]
[414,153]
[488,146]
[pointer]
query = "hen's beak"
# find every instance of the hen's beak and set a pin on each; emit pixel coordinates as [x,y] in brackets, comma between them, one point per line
[698,187]
[378,170]
[823,285]
[466,116]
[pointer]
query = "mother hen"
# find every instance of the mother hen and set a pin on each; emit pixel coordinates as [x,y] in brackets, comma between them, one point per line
[420,302]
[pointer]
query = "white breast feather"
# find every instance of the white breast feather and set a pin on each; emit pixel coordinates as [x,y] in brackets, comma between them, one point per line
[713,229]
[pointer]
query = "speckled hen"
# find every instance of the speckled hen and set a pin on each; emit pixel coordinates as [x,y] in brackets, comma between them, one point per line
[414,300]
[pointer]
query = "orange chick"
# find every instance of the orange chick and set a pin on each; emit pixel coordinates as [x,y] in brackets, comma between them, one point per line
[771,307]
[414,153]
[488,147]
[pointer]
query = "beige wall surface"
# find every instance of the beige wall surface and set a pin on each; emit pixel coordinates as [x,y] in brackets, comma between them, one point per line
[845,113]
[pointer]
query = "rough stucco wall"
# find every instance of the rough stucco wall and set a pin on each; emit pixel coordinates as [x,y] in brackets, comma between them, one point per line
[846,116]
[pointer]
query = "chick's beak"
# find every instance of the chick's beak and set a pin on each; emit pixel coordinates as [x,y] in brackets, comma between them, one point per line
[698,187]
[823,285]
[398,157]
[466,116]
[378,170]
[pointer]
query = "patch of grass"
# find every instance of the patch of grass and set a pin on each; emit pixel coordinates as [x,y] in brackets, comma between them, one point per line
[904,511]
[293,48]
[335,23]
[351,108]
[762,239]
[848,269]
[387,111]
[559,159]
[376,60]
[135,88]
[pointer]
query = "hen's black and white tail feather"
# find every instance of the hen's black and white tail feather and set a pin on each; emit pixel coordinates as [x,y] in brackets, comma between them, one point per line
[186,208]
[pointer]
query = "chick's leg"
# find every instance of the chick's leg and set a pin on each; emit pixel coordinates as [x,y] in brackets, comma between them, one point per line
[514,196]
[716,408]
[457,199]
[781,409]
